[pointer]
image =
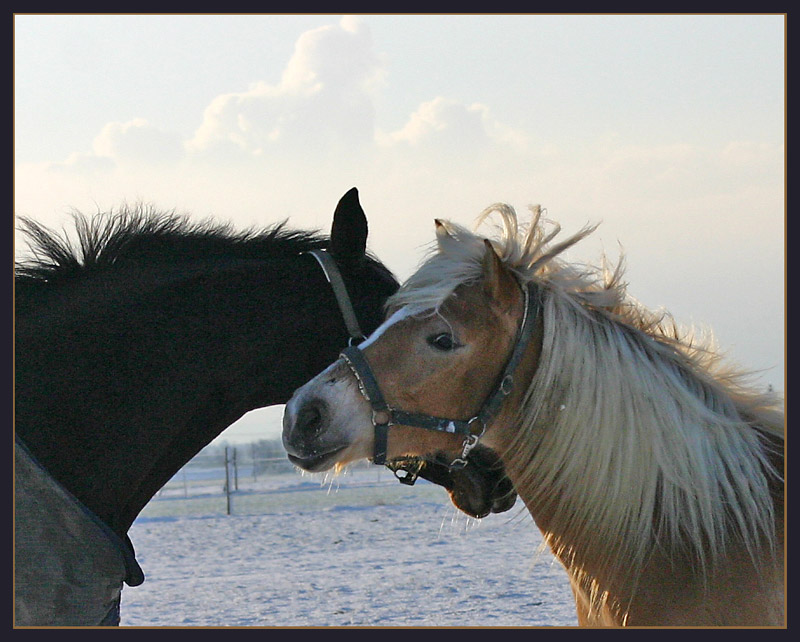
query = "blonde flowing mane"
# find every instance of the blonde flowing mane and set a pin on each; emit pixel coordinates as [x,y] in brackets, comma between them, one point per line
[632,430]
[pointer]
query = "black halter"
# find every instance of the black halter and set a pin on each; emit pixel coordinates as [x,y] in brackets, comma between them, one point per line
[334,277]
[384,416]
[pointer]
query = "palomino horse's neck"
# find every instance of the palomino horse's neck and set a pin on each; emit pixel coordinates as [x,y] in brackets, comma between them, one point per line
[583,442]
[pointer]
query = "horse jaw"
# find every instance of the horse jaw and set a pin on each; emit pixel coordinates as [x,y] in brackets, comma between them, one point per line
[480,488]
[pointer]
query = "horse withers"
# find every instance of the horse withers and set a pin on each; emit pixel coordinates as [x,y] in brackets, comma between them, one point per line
[653,471]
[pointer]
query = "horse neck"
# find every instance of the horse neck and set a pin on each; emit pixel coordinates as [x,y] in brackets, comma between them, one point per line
[121,379]
[669,588]
[638,571]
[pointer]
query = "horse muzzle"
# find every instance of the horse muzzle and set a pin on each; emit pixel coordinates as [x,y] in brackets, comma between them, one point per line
[316,420]
[304,436]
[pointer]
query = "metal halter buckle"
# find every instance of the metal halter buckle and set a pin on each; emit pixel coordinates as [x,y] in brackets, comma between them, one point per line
[469,443]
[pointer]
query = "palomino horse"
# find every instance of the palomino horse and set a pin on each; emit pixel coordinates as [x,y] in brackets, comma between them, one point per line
[138,346]
[654,473]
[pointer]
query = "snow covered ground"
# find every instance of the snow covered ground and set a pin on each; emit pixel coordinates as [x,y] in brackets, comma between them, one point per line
[358,550]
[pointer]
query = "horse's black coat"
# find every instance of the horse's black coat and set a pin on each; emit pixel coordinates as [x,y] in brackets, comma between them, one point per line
[140,345]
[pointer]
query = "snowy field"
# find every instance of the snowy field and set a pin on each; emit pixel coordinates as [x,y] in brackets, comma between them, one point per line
[357,550]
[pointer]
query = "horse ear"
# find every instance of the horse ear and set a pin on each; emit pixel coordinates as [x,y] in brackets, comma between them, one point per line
[441,231]
[499,284]
[349,229]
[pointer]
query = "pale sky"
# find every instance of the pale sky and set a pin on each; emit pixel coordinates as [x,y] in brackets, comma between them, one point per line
[667,129]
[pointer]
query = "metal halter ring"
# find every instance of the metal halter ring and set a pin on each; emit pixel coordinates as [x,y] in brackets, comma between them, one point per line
[382,417]
[472,423]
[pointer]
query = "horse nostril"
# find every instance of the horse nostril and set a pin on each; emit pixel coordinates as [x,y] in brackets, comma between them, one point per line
[309,420]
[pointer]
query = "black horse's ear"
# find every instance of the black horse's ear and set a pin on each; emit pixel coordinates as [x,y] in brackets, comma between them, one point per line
[349,229]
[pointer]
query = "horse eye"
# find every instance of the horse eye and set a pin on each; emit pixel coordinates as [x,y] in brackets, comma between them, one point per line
[444,342]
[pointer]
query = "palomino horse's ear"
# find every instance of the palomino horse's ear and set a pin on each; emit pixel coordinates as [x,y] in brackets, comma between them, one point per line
[349,229]
[441,231]
[499,284]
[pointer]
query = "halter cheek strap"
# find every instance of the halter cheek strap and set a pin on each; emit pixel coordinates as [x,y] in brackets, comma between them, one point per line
[331,271]
[384,416]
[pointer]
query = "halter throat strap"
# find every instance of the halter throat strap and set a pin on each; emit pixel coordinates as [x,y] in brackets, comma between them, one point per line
[334,277]
[384,416]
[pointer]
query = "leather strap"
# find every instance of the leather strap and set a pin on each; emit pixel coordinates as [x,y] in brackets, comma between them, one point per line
[334,277]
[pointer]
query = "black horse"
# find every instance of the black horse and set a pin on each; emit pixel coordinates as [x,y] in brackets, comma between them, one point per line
[137,345]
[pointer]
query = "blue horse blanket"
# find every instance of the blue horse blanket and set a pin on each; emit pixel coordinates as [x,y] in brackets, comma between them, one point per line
[68,565]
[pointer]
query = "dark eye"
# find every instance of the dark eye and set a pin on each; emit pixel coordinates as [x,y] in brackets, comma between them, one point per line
[444,342]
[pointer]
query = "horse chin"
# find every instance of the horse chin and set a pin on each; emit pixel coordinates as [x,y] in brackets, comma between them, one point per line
[318,463]
[473,497]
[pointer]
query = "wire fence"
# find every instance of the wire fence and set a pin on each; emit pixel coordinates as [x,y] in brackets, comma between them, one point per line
[220,474]
[239,480]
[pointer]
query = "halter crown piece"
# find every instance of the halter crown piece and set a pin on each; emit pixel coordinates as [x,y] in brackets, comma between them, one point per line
[384,416]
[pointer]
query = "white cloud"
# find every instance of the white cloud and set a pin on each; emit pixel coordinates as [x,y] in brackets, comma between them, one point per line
[321,110]
[132,143]
[445,122]
[325,102]
[82,162]
[323,98]
[679,172]
[753,156]
[137,141]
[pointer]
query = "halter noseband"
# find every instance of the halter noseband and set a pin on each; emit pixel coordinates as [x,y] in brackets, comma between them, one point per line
[384,416]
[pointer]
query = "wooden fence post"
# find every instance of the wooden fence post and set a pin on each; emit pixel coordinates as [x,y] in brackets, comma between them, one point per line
[235,471]
[227,485]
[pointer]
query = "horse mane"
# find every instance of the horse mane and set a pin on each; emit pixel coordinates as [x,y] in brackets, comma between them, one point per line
[632,430]
[142,233]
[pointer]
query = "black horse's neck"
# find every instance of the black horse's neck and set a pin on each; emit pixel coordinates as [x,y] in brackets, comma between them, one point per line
[124,373]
